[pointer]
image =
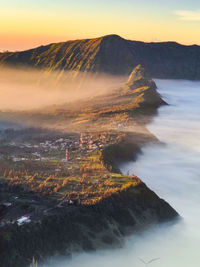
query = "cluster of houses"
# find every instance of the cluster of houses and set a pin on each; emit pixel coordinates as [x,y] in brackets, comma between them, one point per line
[39,152]
[85,143]
[62,148]
[96,140]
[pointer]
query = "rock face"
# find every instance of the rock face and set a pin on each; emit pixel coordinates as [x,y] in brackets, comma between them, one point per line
[113,54]
[140,79]
[85,228]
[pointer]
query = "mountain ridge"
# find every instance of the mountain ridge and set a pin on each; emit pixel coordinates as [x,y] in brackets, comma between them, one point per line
[112,54]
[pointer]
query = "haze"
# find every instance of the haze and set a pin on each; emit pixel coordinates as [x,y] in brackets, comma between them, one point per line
[27,89]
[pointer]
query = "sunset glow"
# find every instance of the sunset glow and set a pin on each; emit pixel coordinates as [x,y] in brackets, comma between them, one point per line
[27,24]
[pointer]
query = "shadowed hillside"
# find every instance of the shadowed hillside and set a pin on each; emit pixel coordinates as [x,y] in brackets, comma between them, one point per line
[112,54]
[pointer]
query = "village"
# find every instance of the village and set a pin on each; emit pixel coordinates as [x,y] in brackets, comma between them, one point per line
[53,174]
[61,149]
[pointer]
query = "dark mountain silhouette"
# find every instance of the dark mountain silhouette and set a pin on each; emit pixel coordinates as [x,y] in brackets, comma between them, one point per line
[112,54]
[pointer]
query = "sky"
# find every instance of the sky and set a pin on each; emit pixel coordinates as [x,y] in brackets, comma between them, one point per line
[26,24]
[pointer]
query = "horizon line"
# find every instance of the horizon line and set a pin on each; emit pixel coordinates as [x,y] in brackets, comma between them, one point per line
[92,38]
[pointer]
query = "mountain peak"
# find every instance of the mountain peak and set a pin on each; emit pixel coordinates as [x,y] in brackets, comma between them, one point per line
[137,73]
[112,36]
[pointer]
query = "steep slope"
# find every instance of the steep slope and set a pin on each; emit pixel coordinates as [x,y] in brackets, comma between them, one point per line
[112,54]
[139,83]
[84,228]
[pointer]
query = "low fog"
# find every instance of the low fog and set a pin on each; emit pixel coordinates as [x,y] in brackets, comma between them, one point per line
[172,171]
[26,89]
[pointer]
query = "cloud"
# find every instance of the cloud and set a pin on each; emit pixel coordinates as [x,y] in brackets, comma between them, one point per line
[188,15]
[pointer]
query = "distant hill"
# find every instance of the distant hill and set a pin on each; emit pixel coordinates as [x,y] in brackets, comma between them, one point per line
[114,55]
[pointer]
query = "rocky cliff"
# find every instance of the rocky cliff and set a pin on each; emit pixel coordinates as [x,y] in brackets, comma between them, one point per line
[112,54]
[85,228]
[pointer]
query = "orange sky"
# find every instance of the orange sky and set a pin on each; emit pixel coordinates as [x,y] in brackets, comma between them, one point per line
[33,23]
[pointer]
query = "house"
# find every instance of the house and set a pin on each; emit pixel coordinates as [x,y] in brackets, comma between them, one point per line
[16,159]
[23,219]
[7,204]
